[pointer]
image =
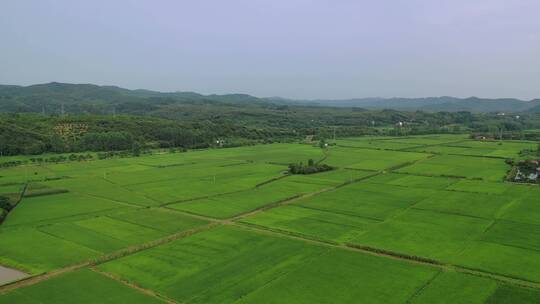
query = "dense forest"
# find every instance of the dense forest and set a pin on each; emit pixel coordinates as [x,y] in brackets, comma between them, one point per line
[75,118]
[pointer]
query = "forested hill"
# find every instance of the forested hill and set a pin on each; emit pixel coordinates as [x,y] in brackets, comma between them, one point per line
[89,98]
[59,117]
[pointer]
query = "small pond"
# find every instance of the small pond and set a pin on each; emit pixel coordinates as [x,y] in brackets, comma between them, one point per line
[7,275]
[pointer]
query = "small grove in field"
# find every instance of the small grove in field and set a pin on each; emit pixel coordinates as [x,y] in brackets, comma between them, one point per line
[422,219]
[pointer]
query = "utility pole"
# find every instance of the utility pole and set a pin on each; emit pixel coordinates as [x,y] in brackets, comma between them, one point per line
[62,110]
[334,134]
[114,112]
[43,110]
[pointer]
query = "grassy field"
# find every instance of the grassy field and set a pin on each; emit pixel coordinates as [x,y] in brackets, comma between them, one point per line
[420,219]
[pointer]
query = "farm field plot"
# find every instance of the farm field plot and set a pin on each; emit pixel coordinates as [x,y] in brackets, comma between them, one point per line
[414,181]
[431,139]
[34,251]
[451,165]
[11,188]
[526,208]
[476,186]
[452,287]
[34,210]
[423,233]
[366,200]
[504,149]
[346,213]
[207,181]
[83,287]
[101,188]
[387,225]
[102,234]
[368,159]
[229,205]
[158,218]
[375,144]
[312,223]
[466,204]
[246,266]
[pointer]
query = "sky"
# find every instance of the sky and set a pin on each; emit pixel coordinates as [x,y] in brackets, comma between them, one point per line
[304,49]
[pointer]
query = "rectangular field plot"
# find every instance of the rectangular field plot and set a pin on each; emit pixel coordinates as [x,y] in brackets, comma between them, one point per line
[526,236]
[83,286]
[283,154]
[414,181]
[454,287]
[526,208]
[450,165]
[512,294]
[35,210]
[11,189]
[22,174]
[228,205]
[466,204]
[330,178]
[232,261]
[367,159]
[505,149]
[239,264]
[367,200]
[35,251]
[500,259]
[102,233]
[384,144]
[475,186]
[425,234]
[158,219]
[98,187]
[207,181]
[312,223]
[432,139]
[345,277]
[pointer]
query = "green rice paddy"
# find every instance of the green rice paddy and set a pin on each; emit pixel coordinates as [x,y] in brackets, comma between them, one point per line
[422,219]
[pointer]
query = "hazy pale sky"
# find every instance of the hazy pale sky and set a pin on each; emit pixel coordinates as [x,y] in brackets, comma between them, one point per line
[290,48]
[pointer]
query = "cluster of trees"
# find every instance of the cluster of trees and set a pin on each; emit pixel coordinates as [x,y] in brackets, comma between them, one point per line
[33,134]
[309,168]
[51,159]
[5,207]
[12,163]
[62,158]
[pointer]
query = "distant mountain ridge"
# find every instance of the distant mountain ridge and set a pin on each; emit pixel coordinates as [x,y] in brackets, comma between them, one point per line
[50,97]
[431,104]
